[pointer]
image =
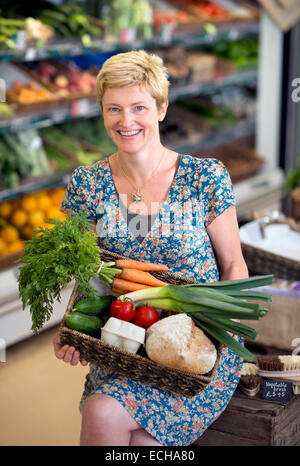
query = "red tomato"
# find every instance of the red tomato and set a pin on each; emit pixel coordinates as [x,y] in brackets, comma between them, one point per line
[145,316]
[122,310]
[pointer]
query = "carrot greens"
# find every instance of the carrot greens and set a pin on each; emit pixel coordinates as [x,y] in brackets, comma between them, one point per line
[52,259]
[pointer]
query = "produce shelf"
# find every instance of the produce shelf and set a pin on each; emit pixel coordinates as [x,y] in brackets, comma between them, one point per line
[222,136]
[55,113]
[245,77]
[238,130]
[52,114]
[33,186]
[185,36]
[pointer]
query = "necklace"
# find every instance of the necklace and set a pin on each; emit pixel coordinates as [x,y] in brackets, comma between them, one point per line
[137,197]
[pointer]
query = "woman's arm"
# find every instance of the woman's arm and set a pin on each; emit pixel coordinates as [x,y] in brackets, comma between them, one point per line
[225,237]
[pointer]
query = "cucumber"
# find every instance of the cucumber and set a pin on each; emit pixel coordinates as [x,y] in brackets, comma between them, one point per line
[93,307]
[83,323]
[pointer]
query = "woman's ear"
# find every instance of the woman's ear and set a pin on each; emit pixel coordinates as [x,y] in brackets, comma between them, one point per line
[163,110]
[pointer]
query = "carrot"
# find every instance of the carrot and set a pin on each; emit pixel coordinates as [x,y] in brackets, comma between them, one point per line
[119,290]
[139,276]
[138,265]
[126,285]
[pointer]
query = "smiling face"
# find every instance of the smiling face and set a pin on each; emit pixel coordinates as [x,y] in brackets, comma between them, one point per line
[131,118]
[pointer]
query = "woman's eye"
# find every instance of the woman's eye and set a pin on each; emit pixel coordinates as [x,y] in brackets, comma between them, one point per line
[113,109]
[139,108]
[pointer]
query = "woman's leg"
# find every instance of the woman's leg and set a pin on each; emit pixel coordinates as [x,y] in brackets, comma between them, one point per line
[105,422]
[141,437]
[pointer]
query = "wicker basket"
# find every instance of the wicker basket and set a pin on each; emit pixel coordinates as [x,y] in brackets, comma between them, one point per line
[295,196]
[264,262]
[136,366]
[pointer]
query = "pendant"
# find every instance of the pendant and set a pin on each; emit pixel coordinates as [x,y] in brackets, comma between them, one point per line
[137,196]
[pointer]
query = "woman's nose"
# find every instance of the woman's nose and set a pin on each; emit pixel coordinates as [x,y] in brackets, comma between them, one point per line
[126,118]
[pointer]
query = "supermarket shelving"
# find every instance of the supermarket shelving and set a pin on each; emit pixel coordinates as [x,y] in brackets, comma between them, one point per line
[238,130]
[190,37]
[60,112]
[35,185]
[55,113]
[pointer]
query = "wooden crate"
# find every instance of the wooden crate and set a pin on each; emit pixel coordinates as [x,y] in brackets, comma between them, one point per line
[255,422]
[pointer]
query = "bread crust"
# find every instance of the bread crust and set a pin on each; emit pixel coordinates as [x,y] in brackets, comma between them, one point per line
[176,342]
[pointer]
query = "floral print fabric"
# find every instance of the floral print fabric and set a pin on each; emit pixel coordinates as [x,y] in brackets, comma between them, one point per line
[201,190]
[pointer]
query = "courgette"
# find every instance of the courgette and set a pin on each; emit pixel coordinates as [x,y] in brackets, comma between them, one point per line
[93,307]
[83,323]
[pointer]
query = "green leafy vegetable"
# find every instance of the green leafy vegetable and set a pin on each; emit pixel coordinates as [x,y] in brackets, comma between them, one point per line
[67,251]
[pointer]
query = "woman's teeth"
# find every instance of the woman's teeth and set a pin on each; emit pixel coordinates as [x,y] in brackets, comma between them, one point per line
[129,133]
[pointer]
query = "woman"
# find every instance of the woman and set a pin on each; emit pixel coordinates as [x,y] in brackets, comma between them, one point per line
[150,203]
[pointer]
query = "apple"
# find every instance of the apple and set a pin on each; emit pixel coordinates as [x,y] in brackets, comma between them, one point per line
[61,81]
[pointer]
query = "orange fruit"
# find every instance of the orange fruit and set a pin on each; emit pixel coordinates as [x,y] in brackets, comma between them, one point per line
[43,202]
[61,216]
[53,212]
[15,246]
[5,209]
[9,234]
[44,225]
[28,203]
[27,231]
[49,225]
[15,203]
[36,218]
[3,247]
[56,196]
[19,218]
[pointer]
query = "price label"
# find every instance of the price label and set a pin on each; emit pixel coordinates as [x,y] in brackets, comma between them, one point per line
[277,390]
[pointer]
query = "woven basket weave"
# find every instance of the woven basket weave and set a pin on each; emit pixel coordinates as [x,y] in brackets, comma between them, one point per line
[136,366]
[262,262]
[295,196]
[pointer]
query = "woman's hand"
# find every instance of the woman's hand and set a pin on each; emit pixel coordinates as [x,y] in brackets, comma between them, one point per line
[67,353]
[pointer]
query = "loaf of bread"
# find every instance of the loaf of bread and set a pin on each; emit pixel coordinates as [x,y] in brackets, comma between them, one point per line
[176,342]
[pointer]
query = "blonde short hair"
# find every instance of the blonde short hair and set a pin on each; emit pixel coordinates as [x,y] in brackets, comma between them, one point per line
[134,68]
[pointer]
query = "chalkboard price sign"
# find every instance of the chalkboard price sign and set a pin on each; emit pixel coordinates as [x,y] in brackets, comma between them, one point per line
[277,390]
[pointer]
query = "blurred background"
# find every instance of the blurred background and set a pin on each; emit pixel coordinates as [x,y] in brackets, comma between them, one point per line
[234,68]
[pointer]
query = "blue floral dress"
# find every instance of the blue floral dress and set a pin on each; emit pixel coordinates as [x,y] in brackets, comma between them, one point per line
[201,190]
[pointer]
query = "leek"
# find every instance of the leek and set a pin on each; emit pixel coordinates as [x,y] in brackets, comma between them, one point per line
[227,340]
[255,295]
[239,284]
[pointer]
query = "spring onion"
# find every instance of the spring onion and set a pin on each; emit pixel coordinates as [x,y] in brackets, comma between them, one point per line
[212,306]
